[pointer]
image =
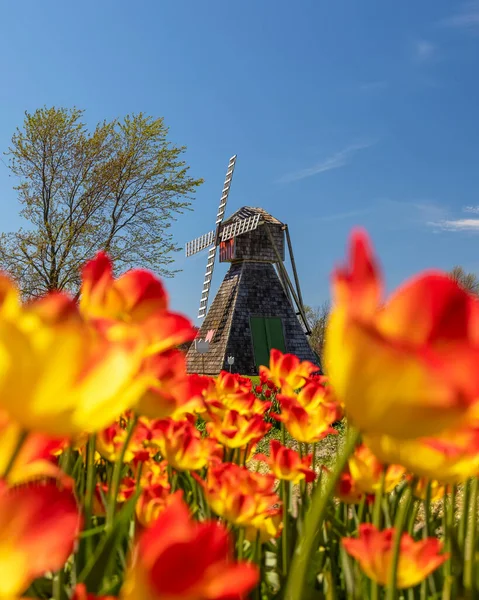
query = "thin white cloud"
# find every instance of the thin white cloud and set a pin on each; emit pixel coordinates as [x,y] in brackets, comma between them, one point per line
[467,17]
[424,50]
[345,215]
[457,225]
[464,224]
[336,161]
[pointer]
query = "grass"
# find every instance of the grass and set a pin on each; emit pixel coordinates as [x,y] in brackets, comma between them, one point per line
[326,450]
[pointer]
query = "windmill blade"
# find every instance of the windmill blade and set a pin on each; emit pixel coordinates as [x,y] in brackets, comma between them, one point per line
[200,243]
[226,190]
[239,227]
[210,264]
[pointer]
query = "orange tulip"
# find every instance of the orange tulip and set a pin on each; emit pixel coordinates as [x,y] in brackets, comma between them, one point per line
[69,376]
[437,490]
[171,392]
[366,471]
[154,473]
[244,498]
[452,457]
[407,368]
[136,298]
[237,430]
[36,458]
[287,369]
[153,500]
[373,550]
[348,491]
[287,465]
[38,527]
[230,391]
[183,446]
[174,542]
[154,497]
[81,593]
[310,424]
[110,441]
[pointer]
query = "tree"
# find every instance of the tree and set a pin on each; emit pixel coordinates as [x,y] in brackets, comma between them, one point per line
[116,188]
[468,281]
[317,319]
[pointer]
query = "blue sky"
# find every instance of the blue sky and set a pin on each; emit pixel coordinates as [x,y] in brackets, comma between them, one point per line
[341,113]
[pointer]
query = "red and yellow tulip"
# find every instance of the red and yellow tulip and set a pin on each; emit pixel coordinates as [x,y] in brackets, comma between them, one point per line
[452,457]
[183,446]
[307,425]
[373,550]
[287,369]
[243,498]
[287,465]
[237,430]
[406,368]
[38,527]
[178,558]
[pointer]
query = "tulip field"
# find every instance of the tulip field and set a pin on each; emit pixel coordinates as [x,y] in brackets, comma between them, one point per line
[122,476]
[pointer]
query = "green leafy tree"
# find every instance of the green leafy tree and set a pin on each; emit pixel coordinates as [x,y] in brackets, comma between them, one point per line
[468,281]
[117,188]
[317,319]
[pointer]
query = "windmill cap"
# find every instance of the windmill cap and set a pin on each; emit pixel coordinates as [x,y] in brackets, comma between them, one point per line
[249,211]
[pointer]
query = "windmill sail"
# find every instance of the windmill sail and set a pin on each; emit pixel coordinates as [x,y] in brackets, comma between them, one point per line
[200,243]
[210,263]
[239,227]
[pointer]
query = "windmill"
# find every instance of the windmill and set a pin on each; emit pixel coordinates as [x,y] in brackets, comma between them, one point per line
[257,306]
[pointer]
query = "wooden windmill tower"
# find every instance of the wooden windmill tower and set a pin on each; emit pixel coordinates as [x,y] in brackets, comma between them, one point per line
[257,307]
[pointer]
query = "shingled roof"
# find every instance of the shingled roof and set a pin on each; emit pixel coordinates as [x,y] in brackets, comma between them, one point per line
[249,211]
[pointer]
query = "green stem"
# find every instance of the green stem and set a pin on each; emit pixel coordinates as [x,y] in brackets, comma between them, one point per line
[449,504]
[285,535]
[470,545]
[58,585]
[313,463]
[461,535]
[377,523]
[296,583]
[427,509]
[116,477]
[22,436]
[90,479]
[240,543]
[399,523]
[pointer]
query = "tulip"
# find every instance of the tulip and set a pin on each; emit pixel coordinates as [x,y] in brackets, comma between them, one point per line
[136,299]
[407,368]
[237,430]
[287,465]
[307,425]
[38,527]
[348,491]
[170,392]
[452,457]
[36,458]
[243,498]
[183,446]
[287,369]
[81,593]
[437,490]
[71,379]
[373,549]
[179,558]
[366,471]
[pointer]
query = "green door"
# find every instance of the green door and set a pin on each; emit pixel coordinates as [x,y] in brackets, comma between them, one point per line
[267,334]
